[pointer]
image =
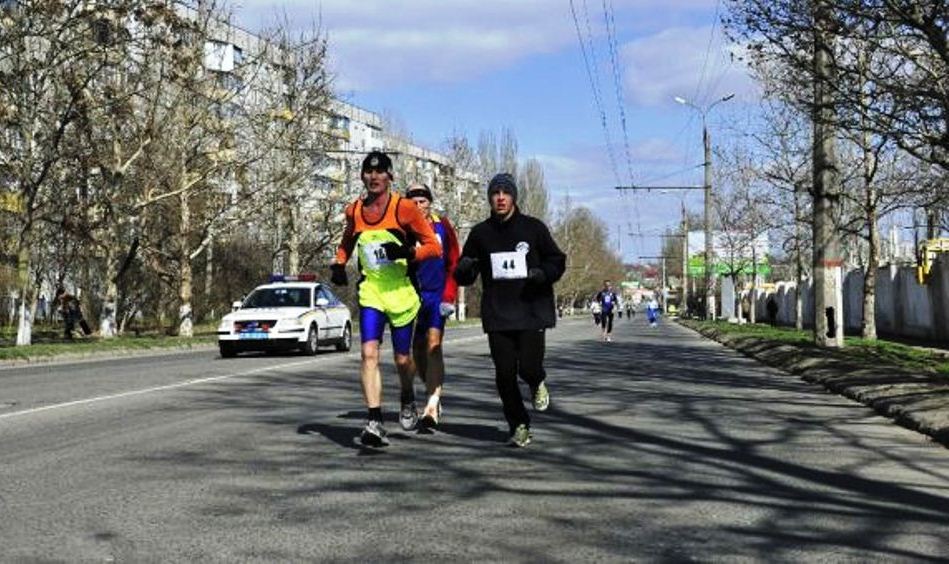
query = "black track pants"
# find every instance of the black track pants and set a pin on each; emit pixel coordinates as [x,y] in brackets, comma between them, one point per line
[607,322]
[516,353]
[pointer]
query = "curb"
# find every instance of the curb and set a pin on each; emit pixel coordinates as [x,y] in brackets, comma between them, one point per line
[30,362]
[918,401]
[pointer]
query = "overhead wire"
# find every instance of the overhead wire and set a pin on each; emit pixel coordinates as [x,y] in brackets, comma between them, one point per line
[594,86]
[610,22]
[699,97]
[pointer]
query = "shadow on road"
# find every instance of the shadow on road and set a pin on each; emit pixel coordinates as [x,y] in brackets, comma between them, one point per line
[657,435]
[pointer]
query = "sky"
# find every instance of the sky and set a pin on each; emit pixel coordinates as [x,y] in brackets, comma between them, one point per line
[564,76]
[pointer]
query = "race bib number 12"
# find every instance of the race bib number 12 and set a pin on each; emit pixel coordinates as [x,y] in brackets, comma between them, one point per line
[508,266]
[374,256]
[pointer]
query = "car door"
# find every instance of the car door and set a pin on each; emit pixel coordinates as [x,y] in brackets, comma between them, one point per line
[336,312]
[323,321]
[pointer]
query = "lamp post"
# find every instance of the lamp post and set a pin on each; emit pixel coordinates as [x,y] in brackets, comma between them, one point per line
[707,144]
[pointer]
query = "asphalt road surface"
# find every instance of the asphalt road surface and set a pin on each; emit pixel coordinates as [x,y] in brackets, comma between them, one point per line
[659,446]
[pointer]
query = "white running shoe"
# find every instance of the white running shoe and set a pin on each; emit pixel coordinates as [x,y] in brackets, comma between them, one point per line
[432,413]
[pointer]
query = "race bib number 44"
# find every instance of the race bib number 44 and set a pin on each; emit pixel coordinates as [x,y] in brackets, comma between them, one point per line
[508,266]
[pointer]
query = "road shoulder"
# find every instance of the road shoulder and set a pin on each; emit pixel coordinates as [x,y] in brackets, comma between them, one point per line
[919,401]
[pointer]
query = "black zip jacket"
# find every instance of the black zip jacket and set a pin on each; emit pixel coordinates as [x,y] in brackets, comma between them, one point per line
[514,304]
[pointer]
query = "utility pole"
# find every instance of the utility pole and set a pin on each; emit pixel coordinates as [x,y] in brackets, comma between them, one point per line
[685,262]
[709,250]
[828,265]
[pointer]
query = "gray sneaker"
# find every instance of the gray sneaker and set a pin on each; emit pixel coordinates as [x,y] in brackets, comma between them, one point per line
[541,397]
[408,416]
[374,435]
[521,437]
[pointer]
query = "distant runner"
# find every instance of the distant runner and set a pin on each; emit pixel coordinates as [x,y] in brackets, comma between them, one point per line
[608,302]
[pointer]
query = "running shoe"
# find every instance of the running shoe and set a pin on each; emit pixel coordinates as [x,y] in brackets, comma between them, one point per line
[374,435]
[408,416]
[541,397]
[431,415]
[521,437]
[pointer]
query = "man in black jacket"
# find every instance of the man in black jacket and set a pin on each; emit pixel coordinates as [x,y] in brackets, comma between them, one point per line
[518,262]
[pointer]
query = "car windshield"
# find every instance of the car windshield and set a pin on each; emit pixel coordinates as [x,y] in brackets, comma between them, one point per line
[279,297]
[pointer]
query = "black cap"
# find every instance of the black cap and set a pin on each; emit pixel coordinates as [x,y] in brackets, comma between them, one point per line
[503,181]
[419,190]
[377,160]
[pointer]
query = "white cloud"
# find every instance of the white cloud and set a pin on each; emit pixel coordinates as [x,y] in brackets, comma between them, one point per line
[376,43]
[670,63]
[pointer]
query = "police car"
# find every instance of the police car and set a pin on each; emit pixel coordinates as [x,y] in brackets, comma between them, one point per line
[291,312]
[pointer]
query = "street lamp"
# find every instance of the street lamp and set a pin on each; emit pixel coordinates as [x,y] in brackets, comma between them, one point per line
[706,142]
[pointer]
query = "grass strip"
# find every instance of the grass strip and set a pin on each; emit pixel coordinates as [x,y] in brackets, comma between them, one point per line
[880,351]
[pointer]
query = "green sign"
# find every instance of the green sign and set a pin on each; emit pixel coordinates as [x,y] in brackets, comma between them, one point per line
[697,267]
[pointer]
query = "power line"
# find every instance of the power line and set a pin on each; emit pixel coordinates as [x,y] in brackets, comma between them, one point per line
[617,80]
[610,21]
[708,49]
[594,83]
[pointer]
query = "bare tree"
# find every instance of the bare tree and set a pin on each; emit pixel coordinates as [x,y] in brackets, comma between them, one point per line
[532,190]
[42,77]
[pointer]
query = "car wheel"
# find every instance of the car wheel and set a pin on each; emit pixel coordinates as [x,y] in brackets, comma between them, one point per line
[227,350]
[346,341]
[312,343]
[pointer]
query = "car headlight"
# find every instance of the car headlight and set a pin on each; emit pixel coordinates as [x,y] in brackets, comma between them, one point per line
[293,323]
[225,325]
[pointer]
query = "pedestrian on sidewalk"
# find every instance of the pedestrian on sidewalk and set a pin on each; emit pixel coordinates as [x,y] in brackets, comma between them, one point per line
[71,312]
[772,306]
[519,262]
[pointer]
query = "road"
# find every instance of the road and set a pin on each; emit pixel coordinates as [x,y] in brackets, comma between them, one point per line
[659,446]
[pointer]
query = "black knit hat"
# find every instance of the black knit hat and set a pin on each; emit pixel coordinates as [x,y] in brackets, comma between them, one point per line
[419,190]
[503,181]
[377,160]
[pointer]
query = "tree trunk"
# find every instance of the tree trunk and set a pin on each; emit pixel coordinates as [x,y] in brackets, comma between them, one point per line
[108,328]
[869,328]
[752,314]
[209,280]
[827,262]
[798,260]
[185,286]
[24,308]
[293,240]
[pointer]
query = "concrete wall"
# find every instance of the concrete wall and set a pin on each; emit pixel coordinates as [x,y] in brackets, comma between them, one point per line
[903,306]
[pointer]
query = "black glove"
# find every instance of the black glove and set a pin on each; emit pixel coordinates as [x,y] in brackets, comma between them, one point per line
[466,270]
[395,251]
[338,275]
[536,276]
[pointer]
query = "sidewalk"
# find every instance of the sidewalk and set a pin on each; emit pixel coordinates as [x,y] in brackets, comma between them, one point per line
[919,401]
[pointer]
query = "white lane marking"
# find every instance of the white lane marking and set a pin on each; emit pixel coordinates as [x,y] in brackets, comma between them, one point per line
[188,383]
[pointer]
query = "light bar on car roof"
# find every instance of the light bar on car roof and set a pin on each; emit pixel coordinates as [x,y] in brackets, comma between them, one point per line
[306,277]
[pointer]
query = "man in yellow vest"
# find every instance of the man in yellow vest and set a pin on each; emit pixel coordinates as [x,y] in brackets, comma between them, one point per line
[385,232]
